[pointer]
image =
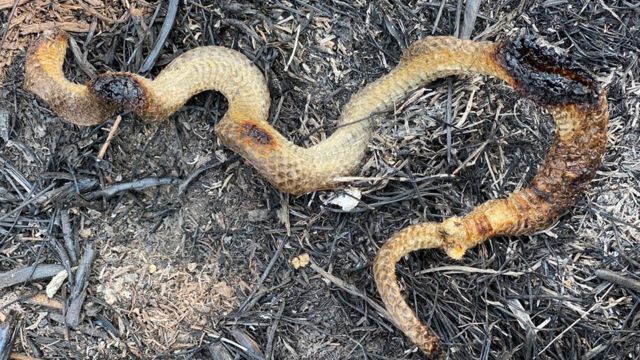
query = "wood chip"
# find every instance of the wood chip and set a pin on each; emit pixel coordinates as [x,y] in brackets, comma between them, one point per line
[44,300]
[8,4]
[69,26]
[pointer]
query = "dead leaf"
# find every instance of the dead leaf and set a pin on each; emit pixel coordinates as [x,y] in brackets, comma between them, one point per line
[300,261]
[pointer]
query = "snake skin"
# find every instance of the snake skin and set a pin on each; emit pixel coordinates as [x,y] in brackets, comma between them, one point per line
[576,103]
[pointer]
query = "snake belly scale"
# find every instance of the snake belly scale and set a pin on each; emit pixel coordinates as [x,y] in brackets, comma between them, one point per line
[576,103]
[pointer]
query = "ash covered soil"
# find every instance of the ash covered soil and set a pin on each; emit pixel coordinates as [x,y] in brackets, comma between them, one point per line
[203,267]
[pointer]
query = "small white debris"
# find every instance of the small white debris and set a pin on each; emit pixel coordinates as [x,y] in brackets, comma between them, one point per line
[55,283]
[4,125]
[347,200]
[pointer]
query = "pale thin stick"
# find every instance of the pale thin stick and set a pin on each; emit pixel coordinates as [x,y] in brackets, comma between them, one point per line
[569,327]
[293,52]
[469,269]
[112,132]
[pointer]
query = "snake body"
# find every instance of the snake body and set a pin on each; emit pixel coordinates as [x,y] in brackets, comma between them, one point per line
[572,97]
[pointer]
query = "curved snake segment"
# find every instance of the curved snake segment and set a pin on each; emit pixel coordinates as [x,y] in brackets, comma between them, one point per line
[44,77]
[570,95]
[290,168]
[570,164]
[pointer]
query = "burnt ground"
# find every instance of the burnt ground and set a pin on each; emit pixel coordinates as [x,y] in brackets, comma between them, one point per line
[201,268]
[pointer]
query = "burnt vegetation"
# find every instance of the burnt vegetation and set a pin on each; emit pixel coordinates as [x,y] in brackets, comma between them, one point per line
[174,248]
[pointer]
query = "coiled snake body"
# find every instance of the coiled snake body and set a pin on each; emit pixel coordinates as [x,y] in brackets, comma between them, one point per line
[570,95]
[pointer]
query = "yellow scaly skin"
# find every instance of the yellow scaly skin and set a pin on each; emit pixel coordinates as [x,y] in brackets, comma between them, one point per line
[575,102]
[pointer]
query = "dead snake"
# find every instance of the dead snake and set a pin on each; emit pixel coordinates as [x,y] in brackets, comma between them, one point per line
[536,71]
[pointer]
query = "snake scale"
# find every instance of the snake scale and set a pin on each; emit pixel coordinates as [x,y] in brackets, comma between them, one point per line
[534,70]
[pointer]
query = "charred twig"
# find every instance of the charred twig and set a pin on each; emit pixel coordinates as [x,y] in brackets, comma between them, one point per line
[136,185]
[16,175]
[242,26]
[107,325]
[25,203]
[79,292]
[7,197]
[266,272]
[11,14]
[470,15]
[7,336]
[186,182]
[272,330]
[29,273]
[81,59]
[54,194]
[248,343]
[167,24]
[67,233]
[448,114]
[618,279]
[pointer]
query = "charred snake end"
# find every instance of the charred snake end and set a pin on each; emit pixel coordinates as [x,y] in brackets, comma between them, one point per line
[432,348]
[121,89]
[544,75]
